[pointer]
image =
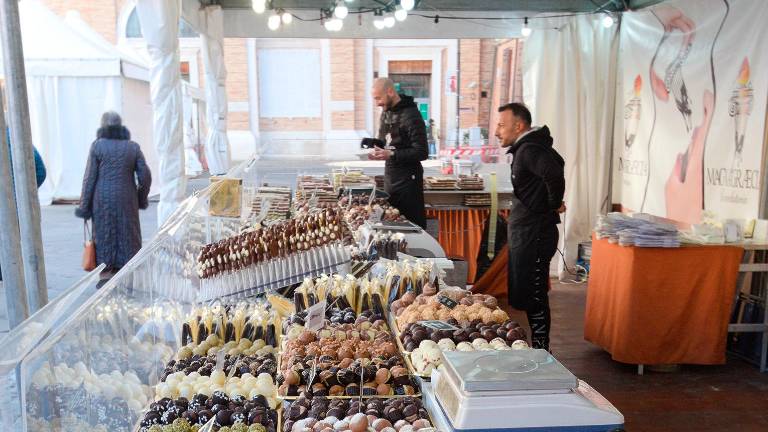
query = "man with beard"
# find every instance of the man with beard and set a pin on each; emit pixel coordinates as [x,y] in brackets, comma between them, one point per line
[538,184]
[404,137]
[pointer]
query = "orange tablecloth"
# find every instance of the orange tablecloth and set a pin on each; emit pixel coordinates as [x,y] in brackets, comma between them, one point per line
[460,234]
[494,280]
[661,306]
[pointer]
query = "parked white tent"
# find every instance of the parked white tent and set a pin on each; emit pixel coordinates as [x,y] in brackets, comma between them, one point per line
[72,78]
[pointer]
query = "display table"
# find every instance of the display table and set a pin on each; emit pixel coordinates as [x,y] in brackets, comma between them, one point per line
[661,306]
[460,233]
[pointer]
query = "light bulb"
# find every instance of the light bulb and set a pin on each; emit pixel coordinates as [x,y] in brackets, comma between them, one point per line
[401,14]
[607,21]
[525,31]
[408,4]
[379,24]
[274,22]
[334,24]
[259,6]
[287,18]
[340,11]
[389,21]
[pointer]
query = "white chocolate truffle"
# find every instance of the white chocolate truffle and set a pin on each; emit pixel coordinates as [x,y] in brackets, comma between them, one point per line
[465,346]
[446,345]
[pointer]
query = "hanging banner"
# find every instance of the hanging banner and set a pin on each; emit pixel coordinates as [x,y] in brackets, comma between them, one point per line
[692,100]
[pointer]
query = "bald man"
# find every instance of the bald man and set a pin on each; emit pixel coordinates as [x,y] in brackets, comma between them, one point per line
[405,136]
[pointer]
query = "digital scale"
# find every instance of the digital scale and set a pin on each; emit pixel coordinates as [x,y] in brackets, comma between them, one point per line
[515,390]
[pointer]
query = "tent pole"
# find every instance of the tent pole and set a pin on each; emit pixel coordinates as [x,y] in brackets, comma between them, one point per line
[10,253]
[23,157]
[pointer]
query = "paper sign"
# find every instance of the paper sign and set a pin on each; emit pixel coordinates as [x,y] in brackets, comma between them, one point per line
[447,302]
[316,316]
[438,325]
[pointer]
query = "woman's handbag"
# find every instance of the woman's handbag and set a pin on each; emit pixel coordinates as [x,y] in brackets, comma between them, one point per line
[89,249]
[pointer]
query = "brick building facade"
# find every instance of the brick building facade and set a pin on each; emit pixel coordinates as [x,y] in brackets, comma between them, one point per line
[291,96]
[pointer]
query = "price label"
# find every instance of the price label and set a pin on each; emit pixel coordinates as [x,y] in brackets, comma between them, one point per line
[316,316]
[447,301]
[438,325]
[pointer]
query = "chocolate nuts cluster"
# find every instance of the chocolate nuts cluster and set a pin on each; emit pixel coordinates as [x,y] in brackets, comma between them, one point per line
[242,364]
[510,331]
[366,377]
[200,409]
[338,415]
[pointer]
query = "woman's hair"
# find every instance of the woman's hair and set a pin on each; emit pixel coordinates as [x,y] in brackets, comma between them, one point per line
[112,127]
[111,118]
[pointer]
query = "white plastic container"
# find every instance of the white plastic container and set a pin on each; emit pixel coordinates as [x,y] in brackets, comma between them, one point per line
[582,409]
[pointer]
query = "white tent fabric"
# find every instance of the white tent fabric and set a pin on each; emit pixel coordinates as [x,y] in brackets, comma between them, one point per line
[133,64]
[217,144]
[71,80]
[160,26]
[572,90]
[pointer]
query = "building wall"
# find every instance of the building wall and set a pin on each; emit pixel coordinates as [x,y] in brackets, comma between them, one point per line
[469,61]
[342,108]
[236,62]
[101,15]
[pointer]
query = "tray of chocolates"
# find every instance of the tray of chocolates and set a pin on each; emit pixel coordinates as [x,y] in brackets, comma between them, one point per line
[234,365]
[405,414]
[225,413]
[424,343]
[470,182]
[110,401]
[458,304]
[266,243]
[278,199]
[440,183]
[477,200]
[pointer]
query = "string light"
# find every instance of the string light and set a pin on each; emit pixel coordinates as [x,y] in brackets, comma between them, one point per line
[389,21]
[526,31]
[608,21]
[408,4]
[274,22]
[334,24]
[340,11]
[378,23]
[259,6]
[287,18]
[401,14]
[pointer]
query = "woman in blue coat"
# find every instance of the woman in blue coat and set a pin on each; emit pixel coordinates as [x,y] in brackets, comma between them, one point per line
[115,186]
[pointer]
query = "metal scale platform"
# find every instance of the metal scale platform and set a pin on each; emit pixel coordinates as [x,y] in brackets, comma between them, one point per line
[525,390]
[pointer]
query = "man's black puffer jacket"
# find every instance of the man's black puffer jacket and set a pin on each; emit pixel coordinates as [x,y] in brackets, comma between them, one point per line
[538,177]
[408,136]
[403,129]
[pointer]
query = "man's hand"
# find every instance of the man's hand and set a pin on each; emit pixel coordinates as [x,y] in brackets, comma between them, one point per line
[379,154]
[562,208]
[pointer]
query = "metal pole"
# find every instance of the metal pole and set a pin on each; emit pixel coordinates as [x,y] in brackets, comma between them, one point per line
[458,93]
[10,253]
[23,157]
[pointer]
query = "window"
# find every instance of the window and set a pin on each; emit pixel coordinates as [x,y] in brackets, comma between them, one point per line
[133,27]
[289,83]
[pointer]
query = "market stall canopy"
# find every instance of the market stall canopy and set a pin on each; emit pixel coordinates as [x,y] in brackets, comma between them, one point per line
[51,47]
[494,18]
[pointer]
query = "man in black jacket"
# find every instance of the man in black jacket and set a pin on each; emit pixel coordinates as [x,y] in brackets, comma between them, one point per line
[539,184]
[404,135]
